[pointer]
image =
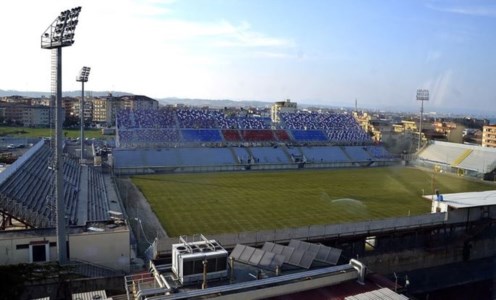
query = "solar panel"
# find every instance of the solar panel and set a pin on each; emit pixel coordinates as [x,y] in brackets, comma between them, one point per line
[285,251]
[328,255]
[236,253]
[271,260]
[301,258]
[246,254]
[313,251]
[257,257]
[302,254]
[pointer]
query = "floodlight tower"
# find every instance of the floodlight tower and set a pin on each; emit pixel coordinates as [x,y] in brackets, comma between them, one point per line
[60,34]
[82,77]
[422,95]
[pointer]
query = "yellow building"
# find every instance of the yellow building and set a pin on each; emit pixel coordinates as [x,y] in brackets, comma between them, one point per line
[409,126]
[405,126]
[489,136]
[282,106]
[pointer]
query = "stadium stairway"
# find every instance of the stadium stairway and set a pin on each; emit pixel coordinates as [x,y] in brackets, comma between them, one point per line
[83,197]
[286,152]
[462,157]
[233,153]
[346,153]
[248,149]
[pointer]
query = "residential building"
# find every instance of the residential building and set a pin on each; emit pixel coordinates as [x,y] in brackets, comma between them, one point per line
[489,136]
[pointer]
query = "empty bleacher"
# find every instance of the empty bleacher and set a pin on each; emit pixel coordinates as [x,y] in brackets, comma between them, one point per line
[324,154]
[201,135]
[205,156]
[378,152]
[257,135]
[269,155]
[442,152]
[231,135]
[98,202]
[481,160]
[143,128]
[357,153]
[29,192]
[309,135]
[242,154]
[282,135]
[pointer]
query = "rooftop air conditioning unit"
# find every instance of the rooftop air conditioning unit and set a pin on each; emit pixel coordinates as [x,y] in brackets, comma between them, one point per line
[188,260]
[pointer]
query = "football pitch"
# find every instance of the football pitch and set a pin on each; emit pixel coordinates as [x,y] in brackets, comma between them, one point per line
[211,203]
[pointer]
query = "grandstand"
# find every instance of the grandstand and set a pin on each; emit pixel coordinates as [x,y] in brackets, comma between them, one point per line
[461,159]
[94,218]
[32,201]
[192,139]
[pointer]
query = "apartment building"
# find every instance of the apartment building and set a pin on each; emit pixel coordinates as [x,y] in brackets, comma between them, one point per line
[489,136]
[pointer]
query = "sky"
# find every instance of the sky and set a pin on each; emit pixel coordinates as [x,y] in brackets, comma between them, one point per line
[321,52]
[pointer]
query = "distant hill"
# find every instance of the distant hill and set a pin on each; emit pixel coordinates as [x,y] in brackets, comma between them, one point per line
[214,103]
[6,93]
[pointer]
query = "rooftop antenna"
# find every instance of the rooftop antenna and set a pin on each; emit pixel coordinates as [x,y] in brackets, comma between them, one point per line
[60,33]
[422,95]
[82,77]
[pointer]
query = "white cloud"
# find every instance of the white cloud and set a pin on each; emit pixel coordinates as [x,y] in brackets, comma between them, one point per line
[440,88]
[274,54]
[433,55]
[472,10]
[131,45]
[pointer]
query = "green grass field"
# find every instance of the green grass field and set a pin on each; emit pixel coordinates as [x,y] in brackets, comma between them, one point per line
[234,202]
[46,132]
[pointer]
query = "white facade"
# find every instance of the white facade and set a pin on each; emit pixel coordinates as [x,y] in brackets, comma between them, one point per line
[109,248]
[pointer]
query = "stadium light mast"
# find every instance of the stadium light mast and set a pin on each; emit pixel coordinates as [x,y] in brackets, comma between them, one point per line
[59,34]
[82,77]
[422,95]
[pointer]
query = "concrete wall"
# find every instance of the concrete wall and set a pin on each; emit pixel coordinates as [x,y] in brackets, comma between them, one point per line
[316,232]
[408,260]
[10,254]
[109,248]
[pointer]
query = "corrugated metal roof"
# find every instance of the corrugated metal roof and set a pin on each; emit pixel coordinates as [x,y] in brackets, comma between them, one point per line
[469,199]
[93,295]
[380,294]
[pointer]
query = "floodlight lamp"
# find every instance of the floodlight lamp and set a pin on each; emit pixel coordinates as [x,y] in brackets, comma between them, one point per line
[61,32]
[422,95]
[83,74]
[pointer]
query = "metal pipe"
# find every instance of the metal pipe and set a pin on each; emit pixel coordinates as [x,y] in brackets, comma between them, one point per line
[361,268]
[204,284]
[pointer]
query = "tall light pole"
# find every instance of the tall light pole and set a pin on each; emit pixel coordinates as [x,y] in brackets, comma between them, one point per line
[60,34]
[82,77]
[422,95]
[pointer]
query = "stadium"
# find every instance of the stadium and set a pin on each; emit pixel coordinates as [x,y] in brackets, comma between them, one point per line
[252,180]
[177,174]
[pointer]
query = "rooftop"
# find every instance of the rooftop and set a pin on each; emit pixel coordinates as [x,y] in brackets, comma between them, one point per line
[469,199]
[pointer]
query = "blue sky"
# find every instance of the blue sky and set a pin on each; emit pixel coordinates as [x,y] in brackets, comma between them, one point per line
[315,52]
